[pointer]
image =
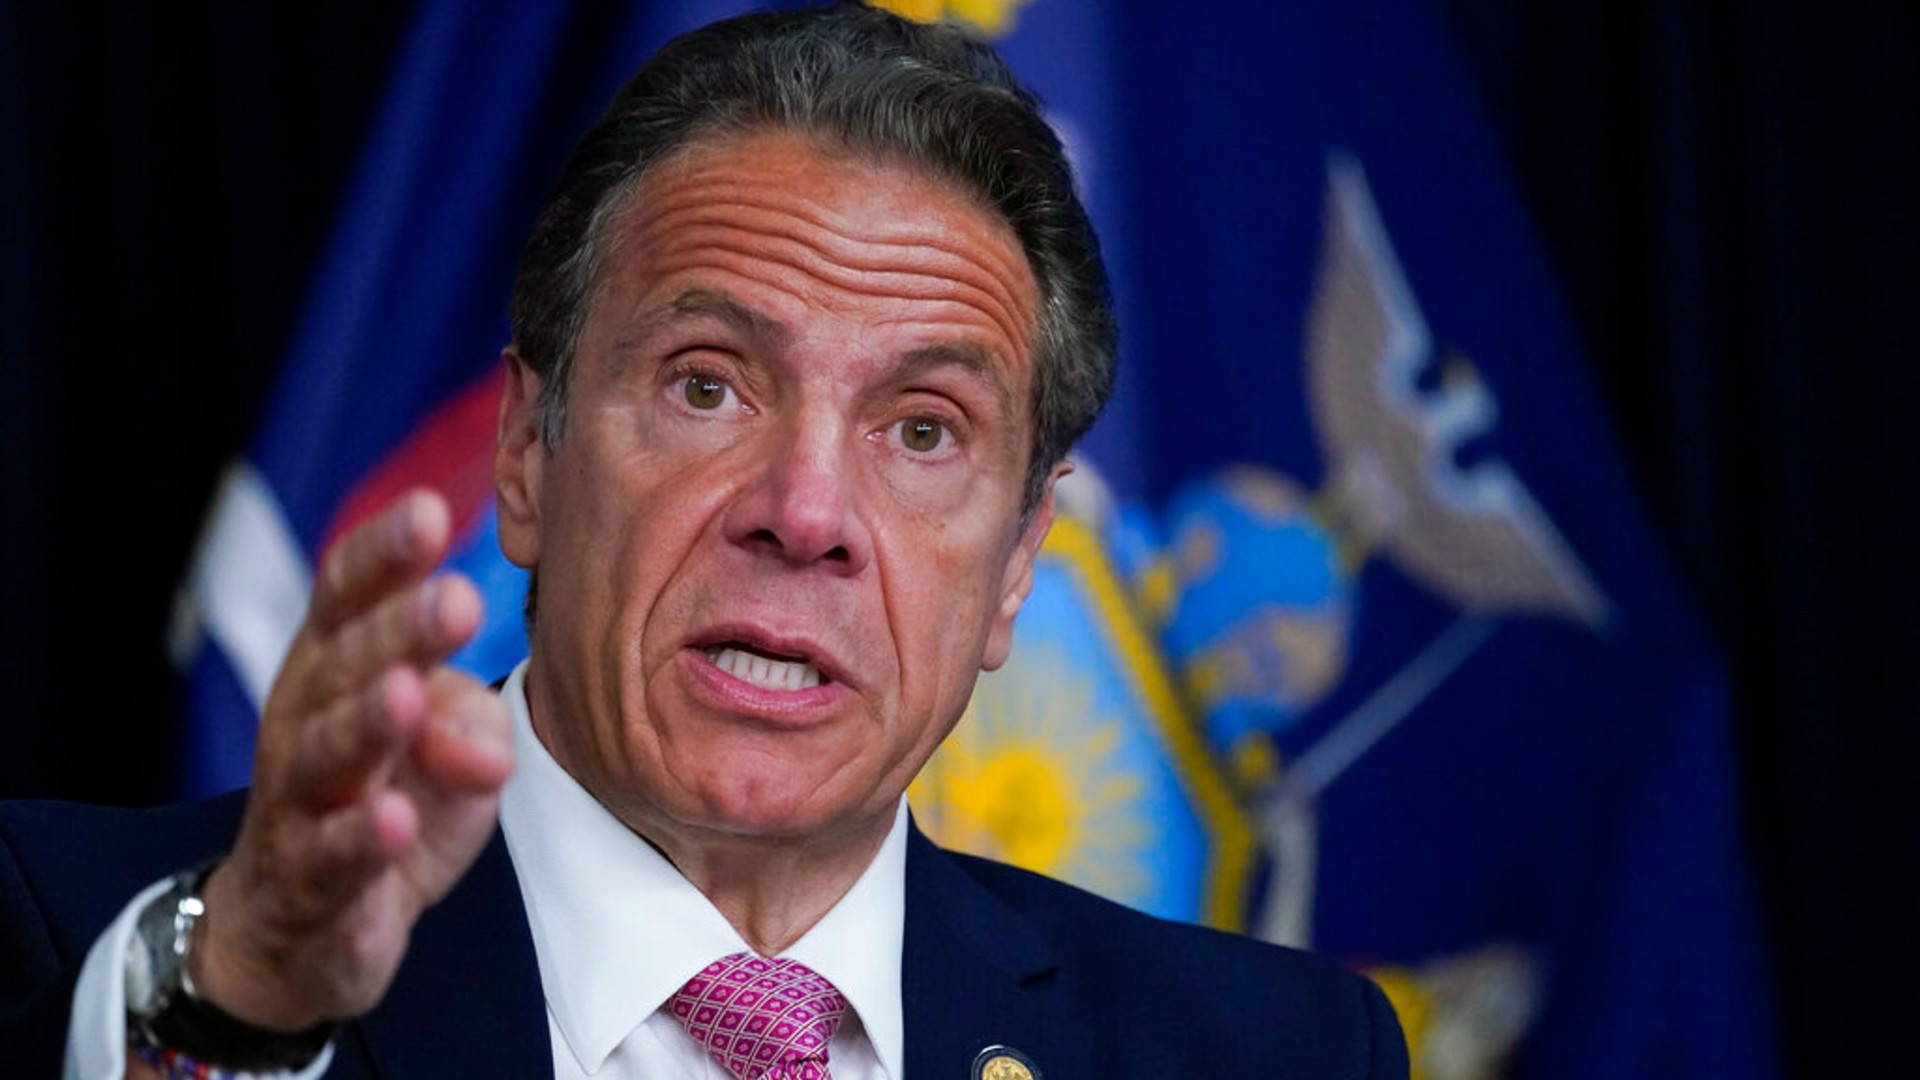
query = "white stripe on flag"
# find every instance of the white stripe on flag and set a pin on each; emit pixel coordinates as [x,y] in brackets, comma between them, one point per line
[249,584]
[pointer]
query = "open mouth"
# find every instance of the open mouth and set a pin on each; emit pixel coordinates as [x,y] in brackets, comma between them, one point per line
[762,669]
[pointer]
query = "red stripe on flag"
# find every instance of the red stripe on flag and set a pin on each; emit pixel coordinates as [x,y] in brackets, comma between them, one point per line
[451,451]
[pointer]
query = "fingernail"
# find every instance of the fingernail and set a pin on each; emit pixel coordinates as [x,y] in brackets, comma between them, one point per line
[430,603]
[402,523]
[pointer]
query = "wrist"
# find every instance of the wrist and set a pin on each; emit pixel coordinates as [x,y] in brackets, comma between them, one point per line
[167,1012]
[238,970]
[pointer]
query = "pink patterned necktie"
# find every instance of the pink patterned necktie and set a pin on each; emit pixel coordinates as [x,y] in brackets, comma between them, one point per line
[762,1019]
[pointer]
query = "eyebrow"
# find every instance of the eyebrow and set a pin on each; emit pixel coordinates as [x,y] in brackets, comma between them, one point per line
[695,304]
[973,358]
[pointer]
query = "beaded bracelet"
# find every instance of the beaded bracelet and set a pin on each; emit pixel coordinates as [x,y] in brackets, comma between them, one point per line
[173,1064]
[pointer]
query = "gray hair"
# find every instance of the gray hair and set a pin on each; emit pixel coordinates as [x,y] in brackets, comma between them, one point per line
[922,95]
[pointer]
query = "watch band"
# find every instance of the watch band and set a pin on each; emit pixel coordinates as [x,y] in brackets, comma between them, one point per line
[173,1019]
[204,1031]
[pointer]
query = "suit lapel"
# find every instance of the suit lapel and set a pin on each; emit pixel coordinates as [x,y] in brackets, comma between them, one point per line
[976,974]
[466,1001]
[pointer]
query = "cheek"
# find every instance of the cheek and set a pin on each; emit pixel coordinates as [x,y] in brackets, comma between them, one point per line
[942,618]
[603,553]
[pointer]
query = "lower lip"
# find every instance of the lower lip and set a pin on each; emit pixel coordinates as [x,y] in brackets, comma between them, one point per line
[738,695]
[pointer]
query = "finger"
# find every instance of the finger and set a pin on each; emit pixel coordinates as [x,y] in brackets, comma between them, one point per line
[396,546]
[359,841]
[341,750]
[466,745]
[419,626]
[312,870]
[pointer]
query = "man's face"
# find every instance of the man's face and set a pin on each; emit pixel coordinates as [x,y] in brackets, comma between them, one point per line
[781,533]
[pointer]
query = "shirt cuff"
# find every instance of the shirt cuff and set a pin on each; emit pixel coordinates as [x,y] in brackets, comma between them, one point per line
[97,1036]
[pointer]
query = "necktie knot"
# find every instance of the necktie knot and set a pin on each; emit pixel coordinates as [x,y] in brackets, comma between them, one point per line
[761,1019]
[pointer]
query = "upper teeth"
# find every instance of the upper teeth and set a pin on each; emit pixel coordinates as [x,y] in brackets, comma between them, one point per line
[764,671]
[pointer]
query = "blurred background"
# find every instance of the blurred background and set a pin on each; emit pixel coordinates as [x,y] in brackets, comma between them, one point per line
[1675,241]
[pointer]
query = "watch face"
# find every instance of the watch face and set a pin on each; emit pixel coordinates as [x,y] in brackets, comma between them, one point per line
[152,960]
[139,980]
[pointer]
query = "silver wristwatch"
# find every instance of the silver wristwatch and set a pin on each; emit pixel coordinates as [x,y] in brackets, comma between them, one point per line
[162,1005]
[157,957]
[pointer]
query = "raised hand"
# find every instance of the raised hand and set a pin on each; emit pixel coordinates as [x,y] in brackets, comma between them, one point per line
[375,787]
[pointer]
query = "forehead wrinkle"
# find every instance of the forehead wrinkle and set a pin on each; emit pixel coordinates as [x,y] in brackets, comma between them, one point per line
[914,260]
[904,257]
[711,161]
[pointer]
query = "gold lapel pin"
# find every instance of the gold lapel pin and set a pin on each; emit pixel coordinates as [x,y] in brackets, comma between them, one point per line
[1004,1063]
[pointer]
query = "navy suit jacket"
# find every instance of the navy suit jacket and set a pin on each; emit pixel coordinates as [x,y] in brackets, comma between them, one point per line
[992,955]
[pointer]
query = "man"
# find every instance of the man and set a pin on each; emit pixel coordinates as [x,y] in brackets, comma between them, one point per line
[800,344]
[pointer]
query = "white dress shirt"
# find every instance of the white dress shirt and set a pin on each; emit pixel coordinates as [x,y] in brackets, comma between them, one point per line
[616,930]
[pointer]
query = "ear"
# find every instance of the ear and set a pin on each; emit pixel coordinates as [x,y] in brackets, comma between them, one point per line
[1018,581]
[518,457]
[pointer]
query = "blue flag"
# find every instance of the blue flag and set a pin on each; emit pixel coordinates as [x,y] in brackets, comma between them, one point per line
[1350,633]
[1410,597]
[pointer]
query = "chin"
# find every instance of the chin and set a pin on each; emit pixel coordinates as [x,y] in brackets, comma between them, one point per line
[774,810]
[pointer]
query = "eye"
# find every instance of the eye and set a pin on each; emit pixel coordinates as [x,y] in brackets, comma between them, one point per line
[705,392]
[922,434]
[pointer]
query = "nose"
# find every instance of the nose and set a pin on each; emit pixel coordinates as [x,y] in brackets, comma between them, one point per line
[801,505]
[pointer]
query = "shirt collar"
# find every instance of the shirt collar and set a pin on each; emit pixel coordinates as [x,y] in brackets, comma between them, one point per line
[617,929]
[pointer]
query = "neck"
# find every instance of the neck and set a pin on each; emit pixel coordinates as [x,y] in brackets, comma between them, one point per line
[772,892]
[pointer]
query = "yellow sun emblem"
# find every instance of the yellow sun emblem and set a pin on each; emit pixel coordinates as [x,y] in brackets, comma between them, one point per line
[990,18]
[1015,783]
[1076,758]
